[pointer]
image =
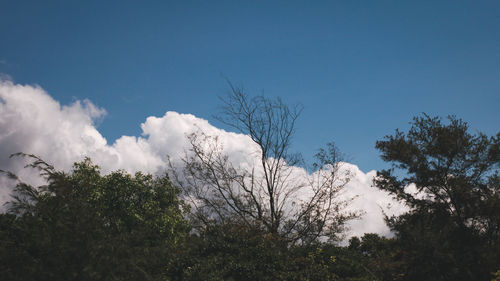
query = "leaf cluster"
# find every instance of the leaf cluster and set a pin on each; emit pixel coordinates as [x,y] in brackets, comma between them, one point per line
[85,226]
[452,231]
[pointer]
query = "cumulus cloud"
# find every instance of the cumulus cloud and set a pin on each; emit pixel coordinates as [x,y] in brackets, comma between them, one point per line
[31,121]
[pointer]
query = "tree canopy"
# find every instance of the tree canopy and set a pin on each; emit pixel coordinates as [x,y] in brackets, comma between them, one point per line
[453,229]
[85,226]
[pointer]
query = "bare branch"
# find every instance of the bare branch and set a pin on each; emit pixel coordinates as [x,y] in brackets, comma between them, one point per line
[275,194]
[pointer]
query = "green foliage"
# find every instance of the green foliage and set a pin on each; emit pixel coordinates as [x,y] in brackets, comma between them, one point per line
[236,252]
[497,276]
[85,226]
[378,257]
[453,229]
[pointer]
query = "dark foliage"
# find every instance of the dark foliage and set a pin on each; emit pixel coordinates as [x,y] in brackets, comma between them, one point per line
[453,229]
[84,226]
[235,252]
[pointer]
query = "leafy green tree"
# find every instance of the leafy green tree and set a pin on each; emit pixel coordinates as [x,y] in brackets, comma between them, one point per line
[453,229]
[233,251]
[85,226]
[379,257]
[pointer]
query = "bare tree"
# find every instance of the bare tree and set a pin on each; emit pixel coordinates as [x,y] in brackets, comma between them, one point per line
[273,193]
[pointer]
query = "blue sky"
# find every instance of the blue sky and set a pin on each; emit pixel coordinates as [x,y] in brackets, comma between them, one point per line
[360,68]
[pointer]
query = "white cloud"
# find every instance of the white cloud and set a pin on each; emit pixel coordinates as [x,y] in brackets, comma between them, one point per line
[31,121]
[372,201]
